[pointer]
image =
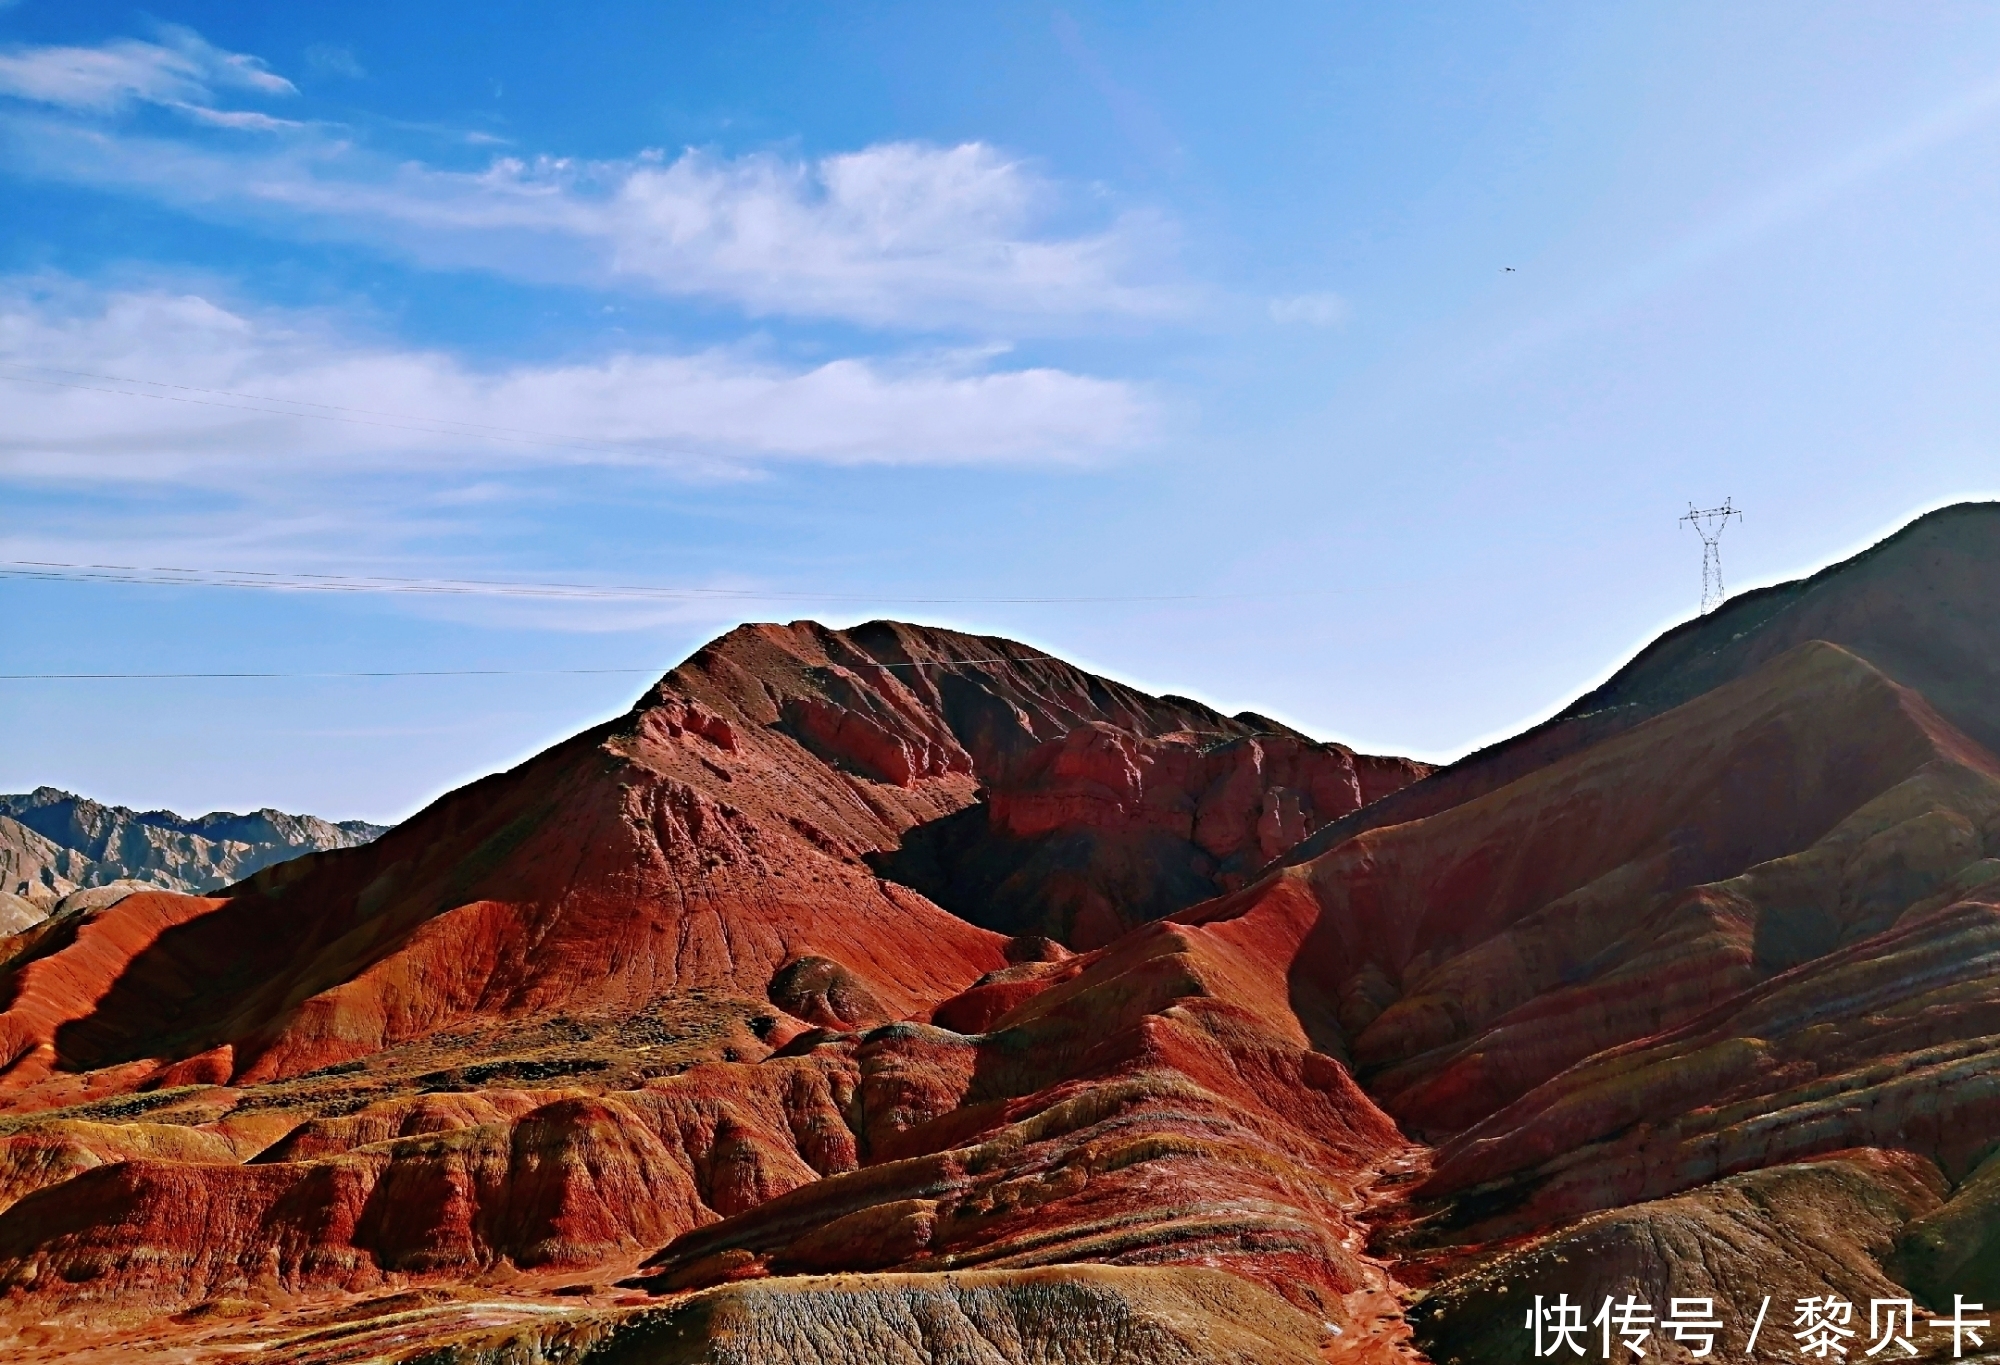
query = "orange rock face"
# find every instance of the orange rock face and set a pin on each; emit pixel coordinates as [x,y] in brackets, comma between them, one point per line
[712,837]
[668,1045]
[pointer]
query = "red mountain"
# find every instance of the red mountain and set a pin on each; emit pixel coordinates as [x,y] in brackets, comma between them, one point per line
[534,1026]
[701,1036]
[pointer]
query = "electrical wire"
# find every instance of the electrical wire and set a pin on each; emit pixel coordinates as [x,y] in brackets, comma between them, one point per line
[488,672]
[309,582]
[385,673]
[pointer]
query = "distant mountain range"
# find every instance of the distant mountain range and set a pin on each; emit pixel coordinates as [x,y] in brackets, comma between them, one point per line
[54,843]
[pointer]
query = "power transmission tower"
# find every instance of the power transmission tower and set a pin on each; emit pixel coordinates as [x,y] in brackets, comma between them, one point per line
[1709,523]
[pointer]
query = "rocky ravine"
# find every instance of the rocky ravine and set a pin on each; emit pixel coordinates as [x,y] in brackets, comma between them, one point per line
[668,1046]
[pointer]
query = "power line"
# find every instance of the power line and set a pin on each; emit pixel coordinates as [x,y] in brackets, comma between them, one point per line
[160,575]
[955,663]
[490,672]
[383,673]
[311,582]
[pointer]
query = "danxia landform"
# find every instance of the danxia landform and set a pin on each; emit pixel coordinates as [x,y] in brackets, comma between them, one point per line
[898,994]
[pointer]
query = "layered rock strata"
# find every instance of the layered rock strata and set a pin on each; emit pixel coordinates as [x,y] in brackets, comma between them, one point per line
[650,1049]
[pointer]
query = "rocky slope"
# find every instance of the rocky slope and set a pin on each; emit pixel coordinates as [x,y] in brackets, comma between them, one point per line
[1101,828]
[1094,807]
[1918,606]
[578,1011]
[653,1048]
[35,873]
[719,832]
[53,842]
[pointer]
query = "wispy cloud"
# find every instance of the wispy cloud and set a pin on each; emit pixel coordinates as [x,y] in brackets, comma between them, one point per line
[248,119]
[149,386]
[408,527]
[1136,117]
[898,234]
[183,71]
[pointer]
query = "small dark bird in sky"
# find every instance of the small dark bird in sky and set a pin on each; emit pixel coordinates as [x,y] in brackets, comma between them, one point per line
[1507,270]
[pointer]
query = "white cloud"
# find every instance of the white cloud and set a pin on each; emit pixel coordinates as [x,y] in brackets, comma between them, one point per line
[863,234]
[183,71]
[899,234]
[896,234]
[1311,310]
[159,385]
[237,118]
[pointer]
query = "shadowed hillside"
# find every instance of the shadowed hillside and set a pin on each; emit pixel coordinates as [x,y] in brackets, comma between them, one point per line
[1918,606]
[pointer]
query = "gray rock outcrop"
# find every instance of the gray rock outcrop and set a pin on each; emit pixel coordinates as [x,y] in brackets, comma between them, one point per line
[54,843]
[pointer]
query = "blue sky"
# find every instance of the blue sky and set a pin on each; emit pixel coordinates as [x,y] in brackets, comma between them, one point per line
[1176,339]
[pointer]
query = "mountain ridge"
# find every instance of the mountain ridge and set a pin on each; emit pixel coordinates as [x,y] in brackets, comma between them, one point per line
[1957,546]
[54,843]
